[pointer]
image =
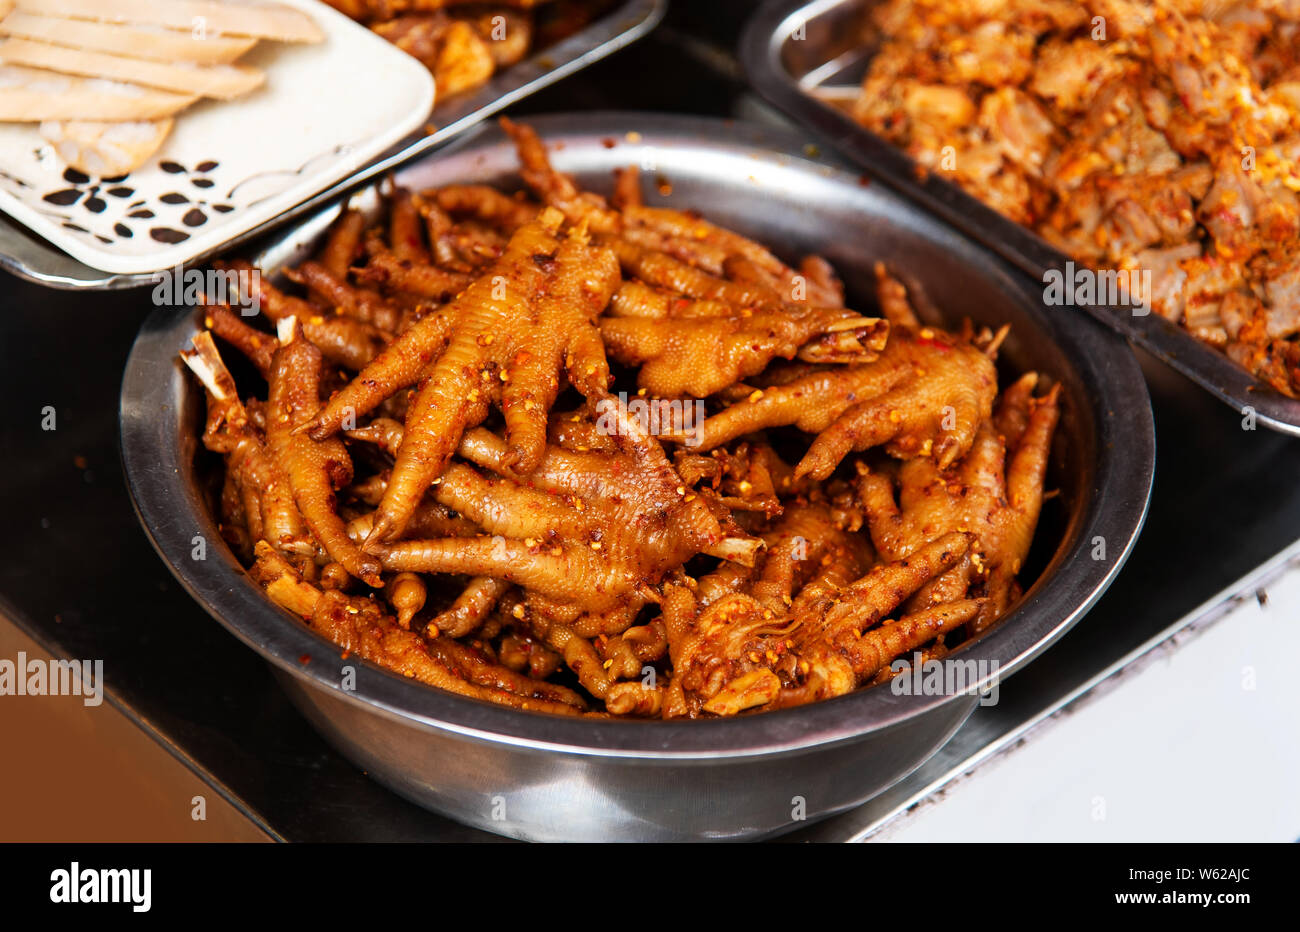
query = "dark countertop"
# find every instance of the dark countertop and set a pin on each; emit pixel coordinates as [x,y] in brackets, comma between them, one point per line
[78,574]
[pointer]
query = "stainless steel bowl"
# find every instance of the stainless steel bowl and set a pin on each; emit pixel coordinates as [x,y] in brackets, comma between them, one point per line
[540,777]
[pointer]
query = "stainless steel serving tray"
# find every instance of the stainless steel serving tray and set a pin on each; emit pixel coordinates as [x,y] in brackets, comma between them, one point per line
[558,778]
[791,47]
[29,256]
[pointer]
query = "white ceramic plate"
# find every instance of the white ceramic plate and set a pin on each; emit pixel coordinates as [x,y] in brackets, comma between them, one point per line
[324,111]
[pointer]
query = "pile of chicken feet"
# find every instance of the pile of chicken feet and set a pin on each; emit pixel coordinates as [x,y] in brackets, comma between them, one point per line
[453,472]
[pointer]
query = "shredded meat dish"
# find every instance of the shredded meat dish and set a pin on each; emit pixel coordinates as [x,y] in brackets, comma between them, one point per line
[474,461]
[465,42]
[1159,136]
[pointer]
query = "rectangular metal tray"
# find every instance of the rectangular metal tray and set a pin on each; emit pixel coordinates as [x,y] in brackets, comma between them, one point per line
[790,47]
[28,256]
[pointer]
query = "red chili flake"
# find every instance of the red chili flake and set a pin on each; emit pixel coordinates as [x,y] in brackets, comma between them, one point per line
[1227,216]
[941,345]
[305,659]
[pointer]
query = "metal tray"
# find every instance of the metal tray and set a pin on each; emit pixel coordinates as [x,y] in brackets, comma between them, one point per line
[575,779]
[29,256]
[790,47]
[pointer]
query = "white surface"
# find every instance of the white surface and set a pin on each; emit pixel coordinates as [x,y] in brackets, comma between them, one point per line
[324,111]
[1199,742]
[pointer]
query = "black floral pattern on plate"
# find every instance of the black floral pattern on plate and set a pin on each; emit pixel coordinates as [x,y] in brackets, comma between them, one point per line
[93,196]
[166,217]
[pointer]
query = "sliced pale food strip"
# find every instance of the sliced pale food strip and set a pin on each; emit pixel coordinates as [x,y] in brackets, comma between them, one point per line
[30,95]
[105,150]
[152,42]
[258,20]
[221,81]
